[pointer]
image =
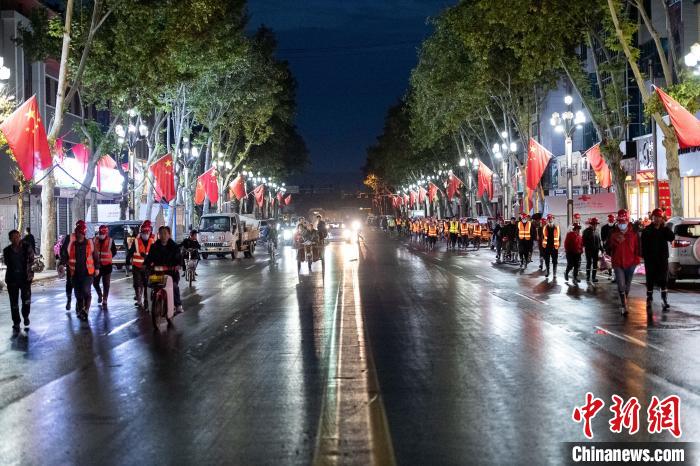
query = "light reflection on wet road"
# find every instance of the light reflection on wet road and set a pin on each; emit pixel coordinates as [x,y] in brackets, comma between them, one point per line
[473,362]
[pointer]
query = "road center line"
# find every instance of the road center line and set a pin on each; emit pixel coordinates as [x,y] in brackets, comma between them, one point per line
[484,278]
[629,339]
[122,327]
[532,299]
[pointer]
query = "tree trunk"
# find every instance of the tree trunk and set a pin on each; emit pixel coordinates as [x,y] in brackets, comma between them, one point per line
[48,201]
[673,171]
[613,156]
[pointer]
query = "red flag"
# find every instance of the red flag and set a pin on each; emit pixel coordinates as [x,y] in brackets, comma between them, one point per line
[421,195]
[432,192]
[599,166]
[105,162]
[199,192]
[26,136]
[406,199]
[288,199]
[537,160]
[259,194]
[212,185]
[453,184]
[237,188]
[485,181]
[413,198]
[58,145]
[686,125]
[280,198]
[164,176]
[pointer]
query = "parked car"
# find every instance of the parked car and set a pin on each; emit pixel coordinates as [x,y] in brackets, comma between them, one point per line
[122,233]
[684,253]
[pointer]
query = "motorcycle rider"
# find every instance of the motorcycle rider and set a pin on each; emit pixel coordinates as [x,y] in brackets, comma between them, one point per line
[164,256]
[135,256]
[105,250]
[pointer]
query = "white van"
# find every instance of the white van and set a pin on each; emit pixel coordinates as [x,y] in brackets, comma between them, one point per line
[228,233]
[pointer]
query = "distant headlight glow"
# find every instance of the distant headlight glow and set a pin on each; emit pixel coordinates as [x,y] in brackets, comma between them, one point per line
[356,225]
[287,234]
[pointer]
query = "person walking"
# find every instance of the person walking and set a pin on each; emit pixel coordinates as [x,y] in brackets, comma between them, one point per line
[605,236]
[655,239]
[573,247]
[623,247]
[551,236]
[81,263]
[105,250]
[30,240]
[524,240]
[18,258]
[592,244]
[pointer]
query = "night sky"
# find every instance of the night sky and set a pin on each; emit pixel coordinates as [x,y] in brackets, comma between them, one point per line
[352,60]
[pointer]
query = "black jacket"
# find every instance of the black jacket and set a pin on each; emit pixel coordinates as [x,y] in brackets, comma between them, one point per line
[168,255]
[655,244]
[509,231]
[25,256]
[591,240]
[605,231]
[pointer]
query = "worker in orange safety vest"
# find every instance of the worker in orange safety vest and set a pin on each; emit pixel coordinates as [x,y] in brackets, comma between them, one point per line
[550,243]
[136,256]
[105,250]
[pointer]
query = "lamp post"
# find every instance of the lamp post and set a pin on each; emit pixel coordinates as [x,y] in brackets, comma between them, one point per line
[191,157]
[135,131]
[503,152]
[567,123]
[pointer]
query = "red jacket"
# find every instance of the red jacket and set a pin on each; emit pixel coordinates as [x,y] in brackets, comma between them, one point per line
[624,247]
[573,244]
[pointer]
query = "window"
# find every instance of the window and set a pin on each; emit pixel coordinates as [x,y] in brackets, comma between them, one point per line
[51,89]
[574,169]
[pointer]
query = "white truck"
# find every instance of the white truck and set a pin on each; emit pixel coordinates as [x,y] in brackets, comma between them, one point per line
[228,233]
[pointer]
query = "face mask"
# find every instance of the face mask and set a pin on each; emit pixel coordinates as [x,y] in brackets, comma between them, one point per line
[145,236]
[550,223]
[622,226]
[101,236]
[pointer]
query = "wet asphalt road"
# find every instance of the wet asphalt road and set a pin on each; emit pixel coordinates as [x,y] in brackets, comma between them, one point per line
[395,354]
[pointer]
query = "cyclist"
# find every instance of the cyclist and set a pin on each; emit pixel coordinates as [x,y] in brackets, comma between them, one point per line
[165,257]
[139,249]
[191,243]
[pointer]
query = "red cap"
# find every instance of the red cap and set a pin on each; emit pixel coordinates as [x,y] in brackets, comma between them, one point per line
[80,227]
[550,217]
[577,215]
[146,226]
[593,221]
[611,217]
[622,215]
[103,229]
[657,213]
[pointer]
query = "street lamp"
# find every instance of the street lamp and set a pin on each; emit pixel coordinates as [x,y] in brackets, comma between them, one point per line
[567,123]
[503,152]
[135,131]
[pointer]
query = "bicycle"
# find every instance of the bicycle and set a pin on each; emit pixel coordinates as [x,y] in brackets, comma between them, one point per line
[190,265]
[162,306]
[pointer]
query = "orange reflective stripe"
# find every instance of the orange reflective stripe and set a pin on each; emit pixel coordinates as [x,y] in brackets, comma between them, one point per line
[104,249]
[140,256]
[524,230]
[546,235]
[89,261]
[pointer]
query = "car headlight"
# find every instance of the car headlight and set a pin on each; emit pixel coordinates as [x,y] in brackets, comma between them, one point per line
[347,234]
[225,244]
[356,225]
[287,234]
